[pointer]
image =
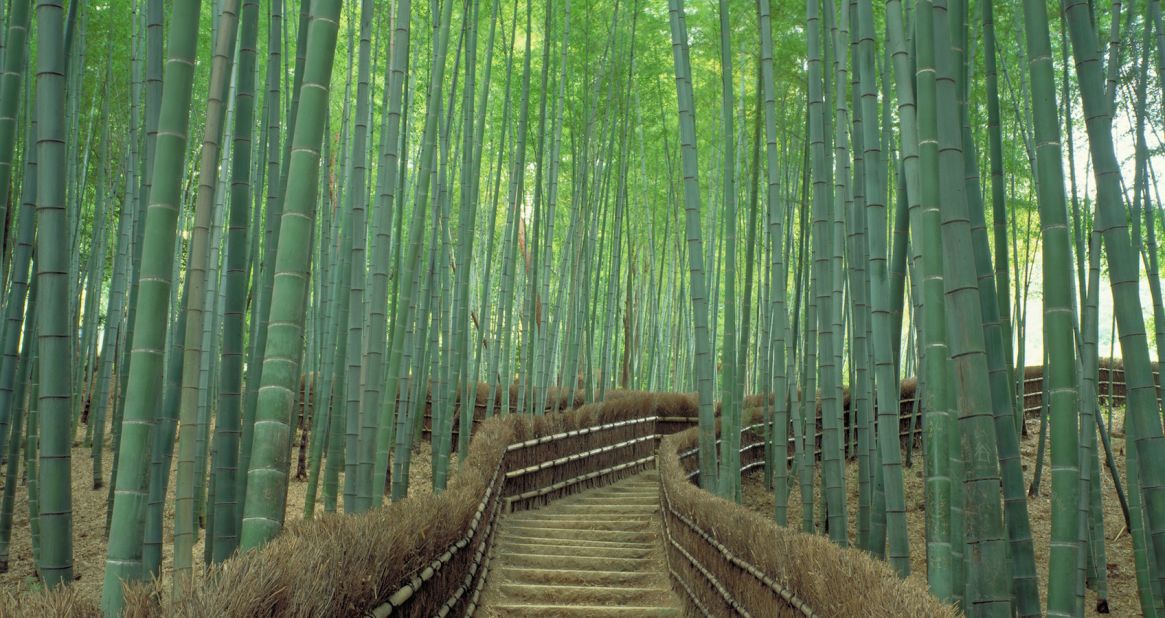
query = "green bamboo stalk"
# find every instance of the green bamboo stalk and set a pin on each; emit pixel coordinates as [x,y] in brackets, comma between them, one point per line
[162,450]
[19,419]
[1143,202]
[279,159]
[836,176]
[15,62]
[152,96]
[514,223]
[31,448]
[55,562]
[334,389]
[924,223]
[849,201]
[535,326]
[114,317]
[550,340]
[861,353]
[14,309]
[355,260]
[471,179]
[484,311]
[409,278]
[96,279]
[809,408]
[777,312]
[267,474]
[823,237]
[197,271]
[1143,411]
[1142,551]
[703,354]
[732,389]
[123,560]
[442,386]
[326,350]
[377,403]
[1092,511]
[226,438]
[121,286]
[997,324]
[741,365]
[886,384]
[1060,372]
[988,587]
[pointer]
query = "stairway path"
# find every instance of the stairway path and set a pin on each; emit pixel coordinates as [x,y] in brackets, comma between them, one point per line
[597,553]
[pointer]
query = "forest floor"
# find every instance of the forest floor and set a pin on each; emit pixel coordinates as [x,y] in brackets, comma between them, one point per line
[89,542]
[1122,583]
[89,509]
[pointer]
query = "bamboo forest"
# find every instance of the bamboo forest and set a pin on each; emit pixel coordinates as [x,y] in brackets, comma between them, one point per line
[582,308]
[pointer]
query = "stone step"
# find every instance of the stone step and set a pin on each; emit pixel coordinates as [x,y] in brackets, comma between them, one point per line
[578,577]
[541,561]
[612,498]
[557,532]
[606,509]
[546,549]
[571,520]
[609,499]
[637,488]
[594,554]
[535,538]
[584,595]
[582,611]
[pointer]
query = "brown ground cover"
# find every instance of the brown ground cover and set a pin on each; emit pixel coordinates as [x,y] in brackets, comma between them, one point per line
[1122,584]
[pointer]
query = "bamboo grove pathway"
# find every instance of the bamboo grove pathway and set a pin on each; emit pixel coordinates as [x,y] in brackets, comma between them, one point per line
[596,553]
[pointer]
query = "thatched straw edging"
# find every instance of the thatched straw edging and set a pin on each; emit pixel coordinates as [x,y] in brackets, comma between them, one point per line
[428,554]
[725,559]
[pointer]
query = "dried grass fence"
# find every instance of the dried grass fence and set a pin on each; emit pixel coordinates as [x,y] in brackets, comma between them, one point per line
[725,559]
[1110,387]
[423,556]
[428,555]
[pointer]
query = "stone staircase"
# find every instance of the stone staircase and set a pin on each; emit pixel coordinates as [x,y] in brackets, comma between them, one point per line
[596,553]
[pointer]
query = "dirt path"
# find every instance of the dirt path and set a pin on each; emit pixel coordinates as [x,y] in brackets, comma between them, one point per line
[593,554]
